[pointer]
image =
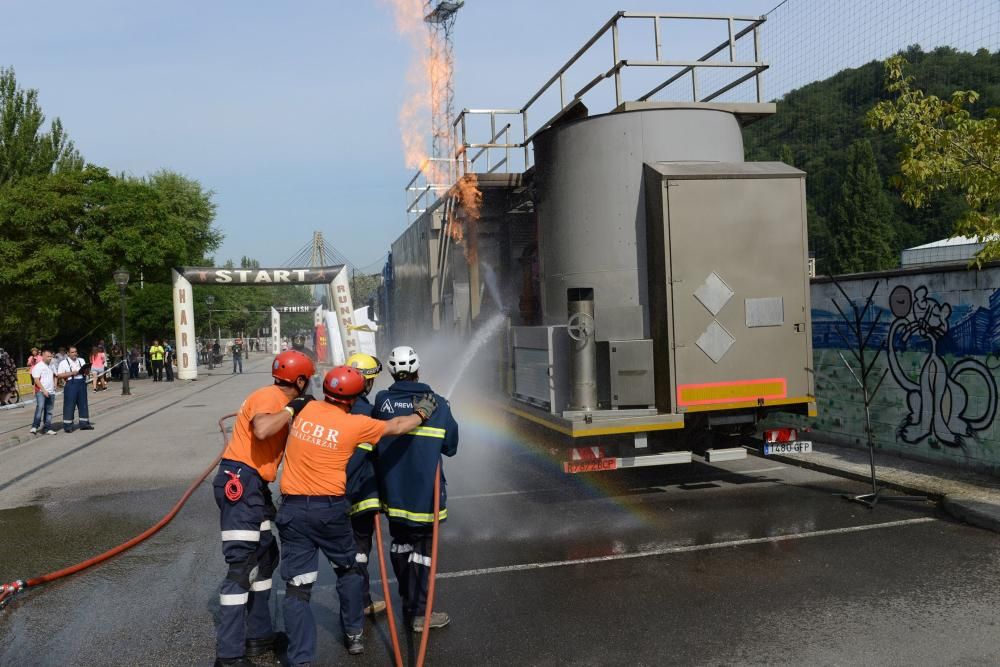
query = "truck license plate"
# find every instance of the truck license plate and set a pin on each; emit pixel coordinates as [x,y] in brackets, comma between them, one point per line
[596,465]
[797,447]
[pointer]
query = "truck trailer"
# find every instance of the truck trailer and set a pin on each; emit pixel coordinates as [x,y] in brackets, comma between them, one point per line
[649,285]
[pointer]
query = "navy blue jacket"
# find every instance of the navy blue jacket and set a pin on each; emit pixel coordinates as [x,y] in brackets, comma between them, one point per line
[362,483]
[407,463]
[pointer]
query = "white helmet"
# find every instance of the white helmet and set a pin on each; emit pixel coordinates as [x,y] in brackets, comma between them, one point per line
[403,359]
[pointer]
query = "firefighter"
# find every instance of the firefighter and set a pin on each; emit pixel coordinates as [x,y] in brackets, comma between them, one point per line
[406,469]
[249,463]
[362,483]
[314,509]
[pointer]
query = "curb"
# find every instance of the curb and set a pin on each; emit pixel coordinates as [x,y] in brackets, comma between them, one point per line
[973,512]
[934,496]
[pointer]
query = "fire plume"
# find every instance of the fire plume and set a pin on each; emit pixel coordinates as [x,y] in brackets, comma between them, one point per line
[427,78]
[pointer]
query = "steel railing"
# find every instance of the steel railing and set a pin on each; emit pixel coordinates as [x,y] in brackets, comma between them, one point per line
[473,156]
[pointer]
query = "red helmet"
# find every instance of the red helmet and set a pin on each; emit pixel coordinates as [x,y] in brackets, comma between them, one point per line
[291,365]
[343,383]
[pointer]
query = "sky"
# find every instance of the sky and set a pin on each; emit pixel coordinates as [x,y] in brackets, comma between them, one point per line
[288,111]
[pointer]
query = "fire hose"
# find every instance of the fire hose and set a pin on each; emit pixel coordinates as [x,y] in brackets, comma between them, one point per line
[430,587]
[8,591]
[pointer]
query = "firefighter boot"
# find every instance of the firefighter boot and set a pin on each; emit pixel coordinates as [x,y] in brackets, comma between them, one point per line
[233,662]
[354,644]
[439,619]
[276,642]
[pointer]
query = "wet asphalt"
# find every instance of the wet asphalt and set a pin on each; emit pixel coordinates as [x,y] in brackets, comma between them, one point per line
[746,562]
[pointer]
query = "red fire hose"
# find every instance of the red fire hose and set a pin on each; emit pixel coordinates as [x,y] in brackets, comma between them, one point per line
[434,562]
[8,591]
[387,595]
[430,588]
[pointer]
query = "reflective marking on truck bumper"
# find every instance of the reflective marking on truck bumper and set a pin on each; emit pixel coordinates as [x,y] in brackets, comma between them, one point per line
[712,393]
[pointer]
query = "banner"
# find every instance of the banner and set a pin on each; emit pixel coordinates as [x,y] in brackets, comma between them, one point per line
[187,360]
[203,275]
[275,331]
[344,309]
[322,344]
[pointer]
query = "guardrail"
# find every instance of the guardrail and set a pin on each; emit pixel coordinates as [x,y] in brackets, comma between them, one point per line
[482,156]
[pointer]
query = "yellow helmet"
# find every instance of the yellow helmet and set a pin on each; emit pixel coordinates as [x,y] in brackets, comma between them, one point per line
[369,366]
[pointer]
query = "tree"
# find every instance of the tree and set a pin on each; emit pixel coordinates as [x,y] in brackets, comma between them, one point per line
[26,150]
[819,121]
[862,221]
[945,148]
[63,234]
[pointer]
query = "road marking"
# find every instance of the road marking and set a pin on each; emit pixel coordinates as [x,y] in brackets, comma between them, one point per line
[653,552]
[723,473]
[680,549]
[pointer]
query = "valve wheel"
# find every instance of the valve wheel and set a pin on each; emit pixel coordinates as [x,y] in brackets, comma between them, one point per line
[580,326]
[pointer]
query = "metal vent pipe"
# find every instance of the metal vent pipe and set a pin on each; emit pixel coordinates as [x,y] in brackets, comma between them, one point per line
[583,351]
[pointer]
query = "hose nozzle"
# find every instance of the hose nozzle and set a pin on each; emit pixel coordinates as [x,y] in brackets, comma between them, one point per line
[8,591]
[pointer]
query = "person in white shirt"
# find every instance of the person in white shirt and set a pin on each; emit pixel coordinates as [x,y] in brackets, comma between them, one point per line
[74,371]
[45,394]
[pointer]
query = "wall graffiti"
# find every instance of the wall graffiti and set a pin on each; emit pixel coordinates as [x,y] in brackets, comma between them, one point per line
[934,337]
[937,399]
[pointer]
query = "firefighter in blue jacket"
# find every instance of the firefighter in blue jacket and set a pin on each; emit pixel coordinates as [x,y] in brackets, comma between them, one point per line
[362,484]
[406,467]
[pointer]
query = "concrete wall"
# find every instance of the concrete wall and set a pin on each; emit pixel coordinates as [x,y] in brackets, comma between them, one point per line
[935,336]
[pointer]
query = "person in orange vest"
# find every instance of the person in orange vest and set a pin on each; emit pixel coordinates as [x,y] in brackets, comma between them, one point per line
[249,463]
[314,510]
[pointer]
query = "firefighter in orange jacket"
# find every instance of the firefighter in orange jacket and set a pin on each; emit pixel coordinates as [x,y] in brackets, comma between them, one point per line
[314,511]
[251,461]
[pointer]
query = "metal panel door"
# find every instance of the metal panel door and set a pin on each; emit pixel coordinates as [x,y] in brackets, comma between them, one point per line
[739,289]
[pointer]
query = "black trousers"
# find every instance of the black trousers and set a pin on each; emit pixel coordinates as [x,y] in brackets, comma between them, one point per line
[157,370]
[411,562]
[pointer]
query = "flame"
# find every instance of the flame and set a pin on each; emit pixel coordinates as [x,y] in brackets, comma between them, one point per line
[427,79]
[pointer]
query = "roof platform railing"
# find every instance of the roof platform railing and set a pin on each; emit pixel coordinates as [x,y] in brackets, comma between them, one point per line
[484,156]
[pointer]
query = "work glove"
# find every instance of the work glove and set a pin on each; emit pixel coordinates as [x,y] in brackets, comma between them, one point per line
[295,405]
[424,406]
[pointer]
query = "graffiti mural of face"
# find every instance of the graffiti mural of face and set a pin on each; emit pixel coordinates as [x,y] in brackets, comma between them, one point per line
[937,399]
[900,301]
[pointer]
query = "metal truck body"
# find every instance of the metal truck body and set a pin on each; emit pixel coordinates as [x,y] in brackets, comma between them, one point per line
[655,284]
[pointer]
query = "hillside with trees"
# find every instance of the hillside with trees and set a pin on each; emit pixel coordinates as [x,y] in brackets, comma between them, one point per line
[857,220]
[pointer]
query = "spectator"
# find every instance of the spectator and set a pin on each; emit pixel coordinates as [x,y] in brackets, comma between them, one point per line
[116,362]
[45,394]
[237,350]
[74,371]
[156,353]
[56,360]
[216,353]
[168,361]
[133,363]
[98,362]
[35,357]
[8,376]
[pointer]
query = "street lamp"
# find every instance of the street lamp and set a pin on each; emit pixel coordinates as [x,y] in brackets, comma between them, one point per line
[211,351]
[121,279]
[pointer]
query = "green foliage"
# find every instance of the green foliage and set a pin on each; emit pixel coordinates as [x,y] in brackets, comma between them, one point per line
[862,220]
[363,287]
[25,150]
[945,149]
[817,124]
[62,235]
